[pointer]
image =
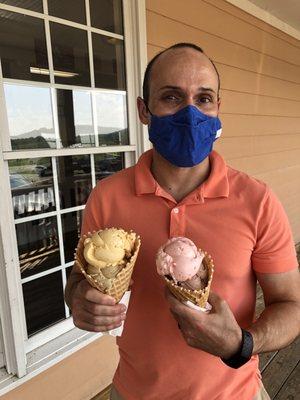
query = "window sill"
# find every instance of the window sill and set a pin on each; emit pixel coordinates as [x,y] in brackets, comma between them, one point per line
[46,356]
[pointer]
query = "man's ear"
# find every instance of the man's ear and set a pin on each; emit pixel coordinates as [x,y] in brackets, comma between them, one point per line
[143,111]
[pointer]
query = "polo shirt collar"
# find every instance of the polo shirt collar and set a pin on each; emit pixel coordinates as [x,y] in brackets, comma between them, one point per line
[215,186]
[144,180]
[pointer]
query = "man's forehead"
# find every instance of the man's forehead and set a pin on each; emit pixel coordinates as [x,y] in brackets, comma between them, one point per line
[181,60]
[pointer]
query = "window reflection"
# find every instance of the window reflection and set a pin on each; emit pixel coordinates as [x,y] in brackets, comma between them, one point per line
[44,302]
[37,245]
[71,225]
[30,119]
[107,164]
[107,15]
[74,178]
[31,182]
[73,10]
[75,118]
[70,55]
[109,62]
[34,5]
[23,47]
[112,118]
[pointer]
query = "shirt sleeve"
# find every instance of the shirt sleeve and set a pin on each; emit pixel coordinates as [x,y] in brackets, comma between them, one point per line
[274,251]
[92,219]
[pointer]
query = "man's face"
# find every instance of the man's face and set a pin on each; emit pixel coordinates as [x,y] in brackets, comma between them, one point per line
[179,78]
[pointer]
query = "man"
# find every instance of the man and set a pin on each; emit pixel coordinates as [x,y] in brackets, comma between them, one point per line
[181,188]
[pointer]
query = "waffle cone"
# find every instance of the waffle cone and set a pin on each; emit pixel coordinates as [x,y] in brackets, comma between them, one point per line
[197,297]
[120,283]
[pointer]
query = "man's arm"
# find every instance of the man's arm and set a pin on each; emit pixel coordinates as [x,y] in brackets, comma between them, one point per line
[218,332]
[279,323]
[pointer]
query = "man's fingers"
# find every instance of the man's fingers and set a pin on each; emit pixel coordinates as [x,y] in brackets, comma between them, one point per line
[96,328]
[98,309]
[105,321]
[87,292]
[91,319]
[97,297]
[183,312]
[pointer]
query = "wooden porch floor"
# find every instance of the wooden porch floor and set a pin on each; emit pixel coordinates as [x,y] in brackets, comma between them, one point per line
[280,369]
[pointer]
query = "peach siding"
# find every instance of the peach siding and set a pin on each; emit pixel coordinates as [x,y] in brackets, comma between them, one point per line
[260,87]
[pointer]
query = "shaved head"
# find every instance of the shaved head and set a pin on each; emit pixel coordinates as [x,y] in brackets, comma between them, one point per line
[154,65]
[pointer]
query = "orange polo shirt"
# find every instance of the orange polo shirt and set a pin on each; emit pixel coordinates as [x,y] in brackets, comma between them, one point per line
[237,220]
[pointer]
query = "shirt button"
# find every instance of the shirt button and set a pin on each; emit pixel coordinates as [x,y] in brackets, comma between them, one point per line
[176,210]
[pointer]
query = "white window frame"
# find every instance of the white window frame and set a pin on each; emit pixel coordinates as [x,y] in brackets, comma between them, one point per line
[26,358]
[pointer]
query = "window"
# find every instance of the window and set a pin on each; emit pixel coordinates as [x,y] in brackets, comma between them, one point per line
[67,120]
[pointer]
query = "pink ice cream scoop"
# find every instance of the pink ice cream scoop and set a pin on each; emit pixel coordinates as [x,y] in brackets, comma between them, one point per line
[180,259]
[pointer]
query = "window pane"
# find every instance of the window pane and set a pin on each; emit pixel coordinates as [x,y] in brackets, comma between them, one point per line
[30,118]
[71,224]
[34,5]
[107,15]
[70,55]
[107,164]
[75,181]
[109,62]
[44,302]
[23,47]
[73,10]
[112,118]
[75,118]
[32,190]
[37,246]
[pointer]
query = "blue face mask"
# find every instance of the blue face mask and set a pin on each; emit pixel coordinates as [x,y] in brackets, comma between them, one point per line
[186,137]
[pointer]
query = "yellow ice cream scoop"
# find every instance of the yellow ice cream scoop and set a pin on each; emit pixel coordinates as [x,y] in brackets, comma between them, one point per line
[108,247]
[107,257]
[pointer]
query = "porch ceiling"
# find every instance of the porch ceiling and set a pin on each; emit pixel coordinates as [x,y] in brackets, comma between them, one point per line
[287,11]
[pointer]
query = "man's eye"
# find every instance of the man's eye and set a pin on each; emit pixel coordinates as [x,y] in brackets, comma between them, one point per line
[205,99]
[171,97]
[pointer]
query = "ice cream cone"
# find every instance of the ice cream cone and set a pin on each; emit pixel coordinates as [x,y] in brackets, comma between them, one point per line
[197,297]
[105,281]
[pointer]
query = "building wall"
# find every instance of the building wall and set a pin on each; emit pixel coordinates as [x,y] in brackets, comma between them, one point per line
[78,377]
[260,87]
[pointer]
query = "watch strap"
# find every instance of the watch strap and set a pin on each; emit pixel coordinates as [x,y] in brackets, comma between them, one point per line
[243,355]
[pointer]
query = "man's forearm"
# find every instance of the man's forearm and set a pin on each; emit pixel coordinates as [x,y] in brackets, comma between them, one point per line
[277,327]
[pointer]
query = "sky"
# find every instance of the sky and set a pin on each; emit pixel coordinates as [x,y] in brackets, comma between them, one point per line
[29,108]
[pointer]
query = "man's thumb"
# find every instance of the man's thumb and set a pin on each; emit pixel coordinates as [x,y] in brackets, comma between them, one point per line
[215,301]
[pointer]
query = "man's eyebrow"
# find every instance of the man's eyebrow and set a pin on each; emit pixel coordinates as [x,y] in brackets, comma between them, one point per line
[170,87]
[201,88]
[204,89]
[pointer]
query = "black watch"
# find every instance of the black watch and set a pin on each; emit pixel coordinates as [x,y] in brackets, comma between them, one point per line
[244,353]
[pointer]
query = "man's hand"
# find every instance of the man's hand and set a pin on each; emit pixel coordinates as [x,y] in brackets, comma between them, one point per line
[94,311]
[217,332]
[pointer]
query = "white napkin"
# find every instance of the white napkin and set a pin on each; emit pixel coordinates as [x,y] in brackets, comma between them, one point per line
[205,309]
[118,331]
